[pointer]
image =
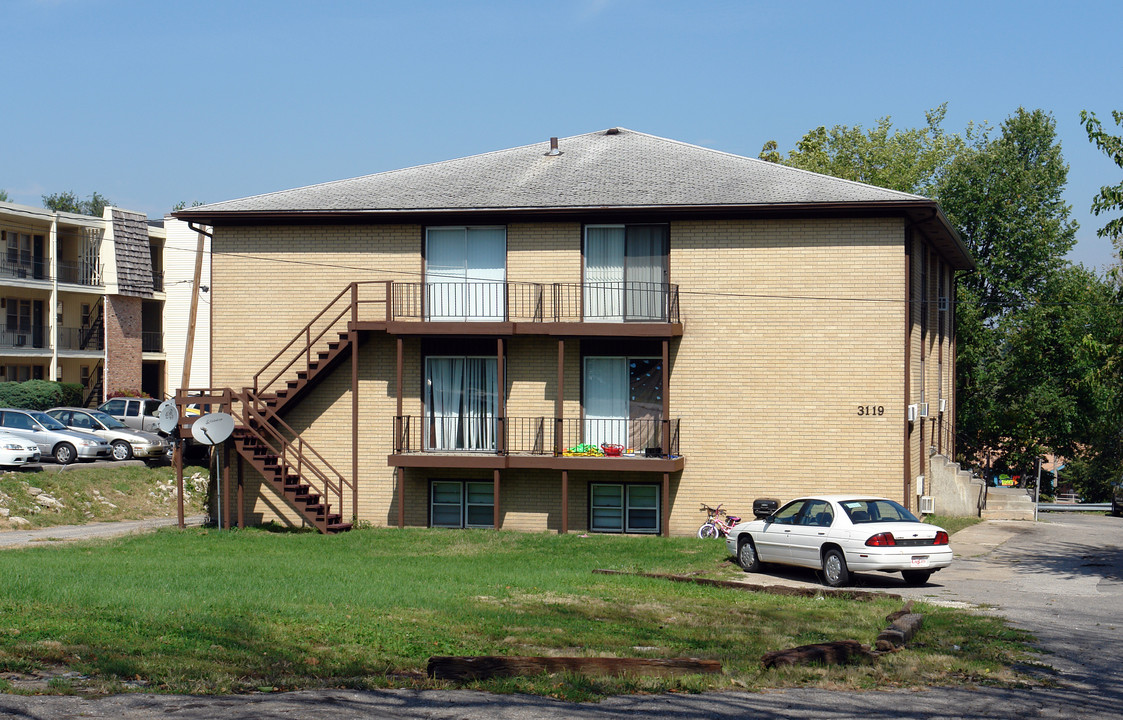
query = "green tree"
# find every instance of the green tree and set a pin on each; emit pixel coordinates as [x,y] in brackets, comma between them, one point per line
[183,204]
[3,195]
[1110,197]
[911,160]
[1004,196]
[69,201]
[1104,462]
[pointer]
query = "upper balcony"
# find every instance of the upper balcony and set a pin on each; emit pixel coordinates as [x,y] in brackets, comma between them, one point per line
[517,308]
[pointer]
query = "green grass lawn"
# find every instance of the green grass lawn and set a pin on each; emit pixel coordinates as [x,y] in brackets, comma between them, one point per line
[218,612]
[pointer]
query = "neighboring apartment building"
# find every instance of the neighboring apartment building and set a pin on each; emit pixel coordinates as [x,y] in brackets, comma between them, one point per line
[82,300]
[432,346]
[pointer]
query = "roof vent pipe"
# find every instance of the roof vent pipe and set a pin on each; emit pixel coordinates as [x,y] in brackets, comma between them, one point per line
[554,147]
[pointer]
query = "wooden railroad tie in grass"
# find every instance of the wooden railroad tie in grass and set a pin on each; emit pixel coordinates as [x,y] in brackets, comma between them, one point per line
[839,652]
[481,668]
[773,589]
[903,626]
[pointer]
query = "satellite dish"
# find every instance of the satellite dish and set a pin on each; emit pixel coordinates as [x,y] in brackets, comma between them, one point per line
[168,414]
[213,429]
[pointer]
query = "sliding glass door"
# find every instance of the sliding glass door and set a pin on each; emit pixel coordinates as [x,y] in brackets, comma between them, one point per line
[625,273]
[623,401]
[465,270]
[461,403]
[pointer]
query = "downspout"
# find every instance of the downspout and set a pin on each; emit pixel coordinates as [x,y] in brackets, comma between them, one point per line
[907,461]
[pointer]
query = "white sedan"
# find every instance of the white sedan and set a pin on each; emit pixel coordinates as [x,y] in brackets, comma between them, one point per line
[16,451]
[840,534]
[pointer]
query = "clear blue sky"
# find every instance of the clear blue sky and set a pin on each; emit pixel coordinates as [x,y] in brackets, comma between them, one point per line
[155,102]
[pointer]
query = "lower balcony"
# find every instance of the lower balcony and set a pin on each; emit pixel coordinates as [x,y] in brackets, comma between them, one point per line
[616,444]
[90,338]
[28,337]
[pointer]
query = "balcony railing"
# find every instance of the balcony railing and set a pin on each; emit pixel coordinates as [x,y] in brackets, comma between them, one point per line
[536,302]
[23,268]
[79,273]
[81,338]
[533,435]
[157,281]
[152,341]
[26,337]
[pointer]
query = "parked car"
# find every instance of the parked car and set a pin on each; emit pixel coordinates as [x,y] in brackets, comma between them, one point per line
[137,413]
[15,451]
[125,441]
[840,534]
[52,437]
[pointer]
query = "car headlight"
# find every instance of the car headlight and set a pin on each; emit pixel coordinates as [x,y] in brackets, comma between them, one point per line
[13,446]
[89,443]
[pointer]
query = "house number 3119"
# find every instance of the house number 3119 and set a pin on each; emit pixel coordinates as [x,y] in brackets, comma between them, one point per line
[871,410]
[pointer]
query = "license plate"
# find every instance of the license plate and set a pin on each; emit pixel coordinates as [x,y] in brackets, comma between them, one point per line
[920,561]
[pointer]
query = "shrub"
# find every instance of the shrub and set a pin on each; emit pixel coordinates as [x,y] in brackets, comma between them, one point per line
[39,394]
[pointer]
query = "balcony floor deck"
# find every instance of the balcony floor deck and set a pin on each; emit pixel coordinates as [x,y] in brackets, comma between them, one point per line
[527,461]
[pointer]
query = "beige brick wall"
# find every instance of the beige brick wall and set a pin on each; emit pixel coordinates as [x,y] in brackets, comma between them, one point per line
[790,328]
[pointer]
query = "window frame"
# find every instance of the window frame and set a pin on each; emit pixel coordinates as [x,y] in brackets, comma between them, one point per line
[626,507]
[463,503]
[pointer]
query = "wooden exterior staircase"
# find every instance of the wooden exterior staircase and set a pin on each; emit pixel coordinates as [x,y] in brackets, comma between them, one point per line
[297,471]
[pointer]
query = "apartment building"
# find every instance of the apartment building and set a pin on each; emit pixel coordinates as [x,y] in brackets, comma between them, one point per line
[82,300]
[596,334]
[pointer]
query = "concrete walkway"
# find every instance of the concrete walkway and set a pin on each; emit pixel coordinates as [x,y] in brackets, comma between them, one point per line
[89,531]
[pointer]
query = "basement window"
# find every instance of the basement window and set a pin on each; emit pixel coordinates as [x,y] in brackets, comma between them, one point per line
[624,508]
[461,504]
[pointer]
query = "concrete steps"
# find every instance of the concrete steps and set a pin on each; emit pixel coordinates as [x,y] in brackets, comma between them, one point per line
[1008,504]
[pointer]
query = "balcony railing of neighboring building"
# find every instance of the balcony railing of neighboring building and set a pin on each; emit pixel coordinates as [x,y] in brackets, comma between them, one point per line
[24,337]
[23,269]
[536,302]
[641,437]
[152,341]
[78,273]
[82,338]
[157,281]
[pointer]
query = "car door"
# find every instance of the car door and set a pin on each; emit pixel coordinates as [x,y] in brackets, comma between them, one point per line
[810,531]
[772,542]
[21,424]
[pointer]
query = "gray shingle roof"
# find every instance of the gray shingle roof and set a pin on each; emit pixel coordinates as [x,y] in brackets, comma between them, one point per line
[132,253]
[596,170]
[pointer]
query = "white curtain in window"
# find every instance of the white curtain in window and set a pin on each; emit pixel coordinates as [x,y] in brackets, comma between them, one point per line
[604,274]
[446,268]
[606,400]
[486,272]
[462,403]
[645,294]
[465,273]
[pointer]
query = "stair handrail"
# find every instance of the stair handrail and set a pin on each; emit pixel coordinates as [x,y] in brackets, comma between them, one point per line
[92,329]
[94,380]
[265,426]
[351,305]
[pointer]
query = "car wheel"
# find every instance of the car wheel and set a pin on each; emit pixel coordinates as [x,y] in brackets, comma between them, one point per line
[707,532]
[746,555]
[835,573]
[65,453]
[916,577]
[122,450]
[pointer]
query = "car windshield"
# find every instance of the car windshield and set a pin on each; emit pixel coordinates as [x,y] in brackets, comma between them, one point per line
[47,421]
[108,421]
[871,511]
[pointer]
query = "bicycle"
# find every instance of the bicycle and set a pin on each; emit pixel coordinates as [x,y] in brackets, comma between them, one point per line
[715,526]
